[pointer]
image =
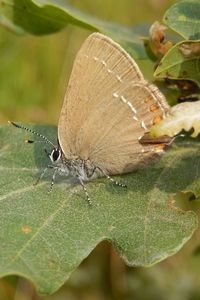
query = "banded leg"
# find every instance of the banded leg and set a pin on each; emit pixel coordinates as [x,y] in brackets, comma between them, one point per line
[42,174]
[52,180]
[111,179]
[85,190]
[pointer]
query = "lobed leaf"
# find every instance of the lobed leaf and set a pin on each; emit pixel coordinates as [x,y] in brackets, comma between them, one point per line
[44,237]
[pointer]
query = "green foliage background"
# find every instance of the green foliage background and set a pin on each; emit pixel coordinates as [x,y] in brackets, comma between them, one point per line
[34,70]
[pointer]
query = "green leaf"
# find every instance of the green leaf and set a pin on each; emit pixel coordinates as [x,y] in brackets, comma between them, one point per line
[182,61]
[181,116]
[41,17]
[183,17]
[44,237]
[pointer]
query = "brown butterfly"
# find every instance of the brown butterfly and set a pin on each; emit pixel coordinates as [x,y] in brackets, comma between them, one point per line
[106,115]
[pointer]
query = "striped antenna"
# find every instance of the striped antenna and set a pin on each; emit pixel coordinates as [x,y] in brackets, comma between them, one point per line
[46,140]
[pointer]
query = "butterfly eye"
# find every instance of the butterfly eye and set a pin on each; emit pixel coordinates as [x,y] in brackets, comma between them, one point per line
[55,155]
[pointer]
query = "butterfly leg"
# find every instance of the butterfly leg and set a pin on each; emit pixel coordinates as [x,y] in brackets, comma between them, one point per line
[42,175]
[44,172]
[85,190]
[53,180]
[116,182]
[111,179]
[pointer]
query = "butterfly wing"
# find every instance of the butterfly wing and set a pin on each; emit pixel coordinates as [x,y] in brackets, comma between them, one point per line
[108,107]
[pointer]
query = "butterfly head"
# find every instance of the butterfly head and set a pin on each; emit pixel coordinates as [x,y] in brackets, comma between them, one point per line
[55,155]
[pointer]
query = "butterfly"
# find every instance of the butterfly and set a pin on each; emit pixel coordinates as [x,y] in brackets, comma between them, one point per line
[106,115]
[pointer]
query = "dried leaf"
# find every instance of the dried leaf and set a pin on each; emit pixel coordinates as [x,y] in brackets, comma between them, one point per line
[183,116]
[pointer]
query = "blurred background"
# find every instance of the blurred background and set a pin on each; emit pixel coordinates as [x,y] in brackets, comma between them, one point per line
[34,70]
[33,77]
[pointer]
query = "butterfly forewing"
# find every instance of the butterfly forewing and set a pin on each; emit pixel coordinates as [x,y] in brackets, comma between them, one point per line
[99,66]
[107,108]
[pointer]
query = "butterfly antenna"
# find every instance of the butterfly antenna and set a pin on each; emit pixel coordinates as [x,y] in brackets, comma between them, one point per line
[34,132]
